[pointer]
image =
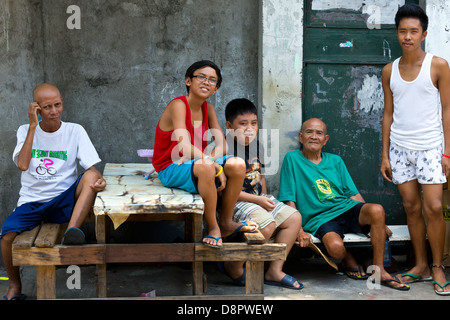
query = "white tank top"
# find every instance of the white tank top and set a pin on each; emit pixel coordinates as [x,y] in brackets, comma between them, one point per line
[417,122]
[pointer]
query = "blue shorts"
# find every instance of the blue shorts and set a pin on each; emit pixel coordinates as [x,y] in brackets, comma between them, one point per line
[348,222]
[31,214]
[182,176]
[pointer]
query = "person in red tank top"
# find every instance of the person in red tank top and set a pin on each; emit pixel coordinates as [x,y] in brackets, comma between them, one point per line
[181,157]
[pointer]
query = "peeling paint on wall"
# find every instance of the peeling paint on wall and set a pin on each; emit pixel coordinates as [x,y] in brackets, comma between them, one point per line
[388,8]
[370,97]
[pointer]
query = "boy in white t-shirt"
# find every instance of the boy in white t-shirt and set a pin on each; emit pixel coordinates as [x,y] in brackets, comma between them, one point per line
[413,134]
[51,190]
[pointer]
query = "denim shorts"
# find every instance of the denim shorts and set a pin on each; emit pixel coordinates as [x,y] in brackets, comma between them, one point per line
[31,214]
[348,222]
[182,176]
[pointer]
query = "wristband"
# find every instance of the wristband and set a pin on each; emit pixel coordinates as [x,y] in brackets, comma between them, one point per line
[220,171]
[444,155]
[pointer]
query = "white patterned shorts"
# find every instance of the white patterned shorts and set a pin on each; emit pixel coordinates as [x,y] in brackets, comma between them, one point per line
[408,165]
[245,211]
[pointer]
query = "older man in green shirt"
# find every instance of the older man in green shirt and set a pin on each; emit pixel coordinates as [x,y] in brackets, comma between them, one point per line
[319,186]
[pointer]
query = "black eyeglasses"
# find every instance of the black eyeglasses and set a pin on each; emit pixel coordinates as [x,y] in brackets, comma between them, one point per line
[212,82]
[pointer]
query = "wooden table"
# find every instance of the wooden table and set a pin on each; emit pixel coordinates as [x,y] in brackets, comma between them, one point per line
[130,197]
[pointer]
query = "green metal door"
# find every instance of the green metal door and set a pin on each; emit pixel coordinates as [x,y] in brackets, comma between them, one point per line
[345,50]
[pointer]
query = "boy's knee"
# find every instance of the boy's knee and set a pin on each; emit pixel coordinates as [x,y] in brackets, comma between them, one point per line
[235,166]
[412,206]
[268,231]
[202,169]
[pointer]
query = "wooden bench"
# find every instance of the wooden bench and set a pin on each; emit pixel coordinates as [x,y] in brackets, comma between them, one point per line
[40,248]
[130,197]
[400,235]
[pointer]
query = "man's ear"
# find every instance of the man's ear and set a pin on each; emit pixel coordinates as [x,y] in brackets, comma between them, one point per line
[327,137]
[424,35]
[228,125]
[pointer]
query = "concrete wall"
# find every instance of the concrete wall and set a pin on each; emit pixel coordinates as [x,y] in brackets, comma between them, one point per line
[21,68]
[119,71]
[438,39]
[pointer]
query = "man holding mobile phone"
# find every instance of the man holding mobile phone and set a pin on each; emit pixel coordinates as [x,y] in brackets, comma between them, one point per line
[51,189]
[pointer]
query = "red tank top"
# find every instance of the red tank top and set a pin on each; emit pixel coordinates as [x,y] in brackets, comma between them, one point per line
[165,144]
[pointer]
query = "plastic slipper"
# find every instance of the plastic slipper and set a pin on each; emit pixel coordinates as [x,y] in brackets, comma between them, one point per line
[415,277]
[286,282]
[212,245]
[235,232]
[73,236]
[347,270]
[442,293]
[387,283]
[16,297]
[238,281]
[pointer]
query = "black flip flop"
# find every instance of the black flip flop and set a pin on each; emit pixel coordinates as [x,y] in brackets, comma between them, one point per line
[73,237]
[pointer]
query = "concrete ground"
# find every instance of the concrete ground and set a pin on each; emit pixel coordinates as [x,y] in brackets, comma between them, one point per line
[321,282]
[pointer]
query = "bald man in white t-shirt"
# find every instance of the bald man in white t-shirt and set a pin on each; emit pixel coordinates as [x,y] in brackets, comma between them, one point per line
[47,153]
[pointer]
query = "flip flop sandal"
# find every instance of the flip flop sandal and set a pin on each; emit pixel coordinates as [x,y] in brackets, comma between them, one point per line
[286,282]
[236,232]
[387,283]
[73,237]
[441,293]
[16,297]
[347,270]
[212,245]
[415,277]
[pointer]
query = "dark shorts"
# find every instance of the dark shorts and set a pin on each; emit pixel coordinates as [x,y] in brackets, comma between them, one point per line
[348,222]
[30,215]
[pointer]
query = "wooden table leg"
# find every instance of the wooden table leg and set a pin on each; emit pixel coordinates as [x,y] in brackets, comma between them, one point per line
[198,285]
[254,277]
[100,232]
[46,282]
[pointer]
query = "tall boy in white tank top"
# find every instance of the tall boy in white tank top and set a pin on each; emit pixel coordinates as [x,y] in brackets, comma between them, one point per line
[413,135]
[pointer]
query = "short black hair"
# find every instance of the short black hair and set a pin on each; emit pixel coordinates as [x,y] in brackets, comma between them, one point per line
[239,107]
[200,65]
[411,10]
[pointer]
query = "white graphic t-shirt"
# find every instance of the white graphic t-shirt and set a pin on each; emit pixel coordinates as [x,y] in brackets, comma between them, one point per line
[53,165]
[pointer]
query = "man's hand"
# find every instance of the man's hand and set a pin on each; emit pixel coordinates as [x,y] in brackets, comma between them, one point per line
[222,180]
[446,166]
[33,112]
[386,169]
[99,185]
[266,203]
[304,239]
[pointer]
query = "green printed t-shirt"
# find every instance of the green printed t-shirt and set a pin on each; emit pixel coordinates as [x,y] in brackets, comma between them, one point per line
[321,191]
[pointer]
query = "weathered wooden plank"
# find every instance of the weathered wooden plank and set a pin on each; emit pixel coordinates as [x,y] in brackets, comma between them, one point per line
[26,238]
[137,253]
[241,252]
[254,237]
[59,255]
[47,235]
